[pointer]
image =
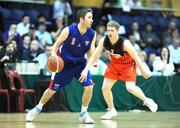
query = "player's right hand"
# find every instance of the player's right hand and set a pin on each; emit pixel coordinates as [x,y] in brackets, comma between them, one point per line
[83,76]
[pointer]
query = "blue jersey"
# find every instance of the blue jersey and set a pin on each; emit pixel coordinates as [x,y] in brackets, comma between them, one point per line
[76,45]
[73,53]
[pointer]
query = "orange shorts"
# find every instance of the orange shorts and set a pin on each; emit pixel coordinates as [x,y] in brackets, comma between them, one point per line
[121,71]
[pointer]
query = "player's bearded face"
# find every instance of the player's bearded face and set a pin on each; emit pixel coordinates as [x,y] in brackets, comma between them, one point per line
[112,32]
[88,19]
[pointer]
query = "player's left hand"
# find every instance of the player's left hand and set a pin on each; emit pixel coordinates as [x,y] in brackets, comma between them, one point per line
[83,76]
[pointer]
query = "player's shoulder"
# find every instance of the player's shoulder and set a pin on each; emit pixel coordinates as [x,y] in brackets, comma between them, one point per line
[126,42]
[71,28]
[65,30]
[103,40]
[72,25]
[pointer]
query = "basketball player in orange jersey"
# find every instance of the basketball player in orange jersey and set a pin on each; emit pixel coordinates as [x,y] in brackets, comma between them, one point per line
[75,40]
[124,60]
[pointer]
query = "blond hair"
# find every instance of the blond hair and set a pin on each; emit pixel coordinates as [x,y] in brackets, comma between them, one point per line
[113,23]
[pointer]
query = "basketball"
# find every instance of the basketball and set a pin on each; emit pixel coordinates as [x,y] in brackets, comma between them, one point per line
[55,64]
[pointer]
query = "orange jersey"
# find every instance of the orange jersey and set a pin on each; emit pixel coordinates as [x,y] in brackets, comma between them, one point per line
[121,68]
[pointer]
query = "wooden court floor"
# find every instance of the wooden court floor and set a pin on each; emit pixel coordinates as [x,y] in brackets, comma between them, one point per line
[70,120]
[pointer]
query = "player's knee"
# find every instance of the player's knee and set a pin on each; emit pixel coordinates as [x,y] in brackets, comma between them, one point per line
[105,88]
[130,88]
[88,89]
[50,92]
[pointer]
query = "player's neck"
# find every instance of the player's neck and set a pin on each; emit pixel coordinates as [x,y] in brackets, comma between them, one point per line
[114,39]
[82,29]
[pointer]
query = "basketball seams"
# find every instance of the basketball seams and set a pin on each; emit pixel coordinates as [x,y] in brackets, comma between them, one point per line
[57,63]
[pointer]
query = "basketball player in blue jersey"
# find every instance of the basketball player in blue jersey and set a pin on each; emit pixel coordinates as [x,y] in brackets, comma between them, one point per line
[75,41]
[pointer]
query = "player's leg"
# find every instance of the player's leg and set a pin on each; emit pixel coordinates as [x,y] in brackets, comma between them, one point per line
[58,81]
[108,96]
[107,93]
[87,95]
[135,90]
[46,96]
[86,98]
[48,93]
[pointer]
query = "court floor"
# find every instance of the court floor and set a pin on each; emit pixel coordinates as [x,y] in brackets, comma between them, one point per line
[70,120]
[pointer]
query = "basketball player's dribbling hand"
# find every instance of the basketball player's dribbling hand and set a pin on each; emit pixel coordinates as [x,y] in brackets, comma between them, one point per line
[83,76]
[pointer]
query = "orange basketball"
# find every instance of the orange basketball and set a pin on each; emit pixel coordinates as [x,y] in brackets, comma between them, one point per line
[55,64]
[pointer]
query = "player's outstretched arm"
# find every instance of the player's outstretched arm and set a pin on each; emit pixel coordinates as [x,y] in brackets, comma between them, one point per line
[92,48]
[95,56]
[127,46]
[62,37]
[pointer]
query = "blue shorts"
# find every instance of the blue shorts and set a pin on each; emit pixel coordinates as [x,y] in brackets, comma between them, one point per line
[70,71]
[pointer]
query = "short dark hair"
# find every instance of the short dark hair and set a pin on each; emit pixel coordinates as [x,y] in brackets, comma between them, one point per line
[82,13]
